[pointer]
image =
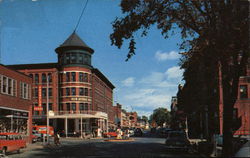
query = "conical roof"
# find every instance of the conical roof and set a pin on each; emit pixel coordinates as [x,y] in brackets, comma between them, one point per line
[74,41]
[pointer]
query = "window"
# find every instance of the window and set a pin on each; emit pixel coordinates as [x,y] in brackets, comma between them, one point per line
[86,91]
[67,58]
[50,77]
[73,106]
[80,76]
[62,92]
[10,85]
[36,78]
[50,92]
[14,87]
[81,91]
[73,76]
[83,106]
[67,77]
[4,89]
[50,106]
[243,92]
[24,90]
[68,106]
[44,79]
[35,92]
[85,77]
[73,91]
[67,92]
[80,59]
[44,92]
[73,58]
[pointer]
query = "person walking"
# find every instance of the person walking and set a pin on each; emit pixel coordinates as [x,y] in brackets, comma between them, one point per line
[57,139]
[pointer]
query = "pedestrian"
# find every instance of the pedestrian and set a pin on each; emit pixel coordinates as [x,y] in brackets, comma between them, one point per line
[57,139]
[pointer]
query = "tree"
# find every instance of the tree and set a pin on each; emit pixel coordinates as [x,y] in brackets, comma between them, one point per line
[222,27]
[161,116]
[145,118]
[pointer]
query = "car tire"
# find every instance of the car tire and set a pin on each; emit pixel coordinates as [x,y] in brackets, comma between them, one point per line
[18,151]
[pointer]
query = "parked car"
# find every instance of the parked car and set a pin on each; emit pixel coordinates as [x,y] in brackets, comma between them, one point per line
[177,140]
[10,142]
[138,132]
[110,133]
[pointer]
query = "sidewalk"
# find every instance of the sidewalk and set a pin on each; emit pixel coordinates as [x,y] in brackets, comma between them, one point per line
[244,150]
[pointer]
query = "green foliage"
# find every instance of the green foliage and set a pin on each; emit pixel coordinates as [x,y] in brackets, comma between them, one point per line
[160,116]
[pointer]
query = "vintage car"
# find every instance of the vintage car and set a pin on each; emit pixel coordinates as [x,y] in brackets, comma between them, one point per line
[10,142]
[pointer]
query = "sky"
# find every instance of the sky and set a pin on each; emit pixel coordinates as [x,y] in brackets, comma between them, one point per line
[30,30]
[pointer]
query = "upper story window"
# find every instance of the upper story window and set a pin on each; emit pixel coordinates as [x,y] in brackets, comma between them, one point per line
[80,59]
[243,92]
[67,58]
[36,78]
[67,76]
[80,77]
[35,92]
[44,92]
[73,76]
[7,85]
[44,78]
[73,91]
[67,92]
[73,58]
[24,90]
[85,77]
[50,77]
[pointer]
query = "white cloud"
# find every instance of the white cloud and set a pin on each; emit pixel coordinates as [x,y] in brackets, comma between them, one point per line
[129,82]
[162,56]
[152,91]
[174,72]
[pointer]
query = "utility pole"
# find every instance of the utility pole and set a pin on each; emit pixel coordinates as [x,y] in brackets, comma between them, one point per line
[47,109]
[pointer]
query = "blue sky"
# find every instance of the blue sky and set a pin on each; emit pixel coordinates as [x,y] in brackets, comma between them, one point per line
[30,30]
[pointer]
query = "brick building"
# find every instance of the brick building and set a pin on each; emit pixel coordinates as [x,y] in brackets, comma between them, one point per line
[241,107]
[79,98]
[15,102]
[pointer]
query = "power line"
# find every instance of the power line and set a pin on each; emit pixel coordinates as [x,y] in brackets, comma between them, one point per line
[83,9]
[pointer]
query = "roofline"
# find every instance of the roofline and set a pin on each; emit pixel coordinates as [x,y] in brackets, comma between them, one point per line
[100,74]
[33,66]
[6,66]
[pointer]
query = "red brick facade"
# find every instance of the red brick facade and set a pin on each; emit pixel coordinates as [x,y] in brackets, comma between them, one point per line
[14,102]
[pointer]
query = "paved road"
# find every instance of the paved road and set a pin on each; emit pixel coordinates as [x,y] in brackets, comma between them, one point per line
[70,148]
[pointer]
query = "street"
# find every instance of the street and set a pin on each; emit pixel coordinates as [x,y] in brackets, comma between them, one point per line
[73,147]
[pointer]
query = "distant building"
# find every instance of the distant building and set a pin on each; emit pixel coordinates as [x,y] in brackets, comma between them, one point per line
[79,96]
[15,102]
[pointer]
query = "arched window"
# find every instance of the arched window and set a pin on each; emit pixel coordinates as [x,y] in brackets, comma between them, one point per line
[44,80]
[50,77]
[36,78]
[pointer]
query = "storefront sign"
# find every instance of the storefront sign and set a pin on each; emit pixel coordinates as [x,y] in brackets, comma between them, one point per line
[79,99]
[39,96]
[38,108]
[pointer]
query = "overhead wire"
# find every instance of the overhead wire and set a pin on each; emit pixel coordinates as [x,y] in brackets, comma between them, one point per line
[83,9]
